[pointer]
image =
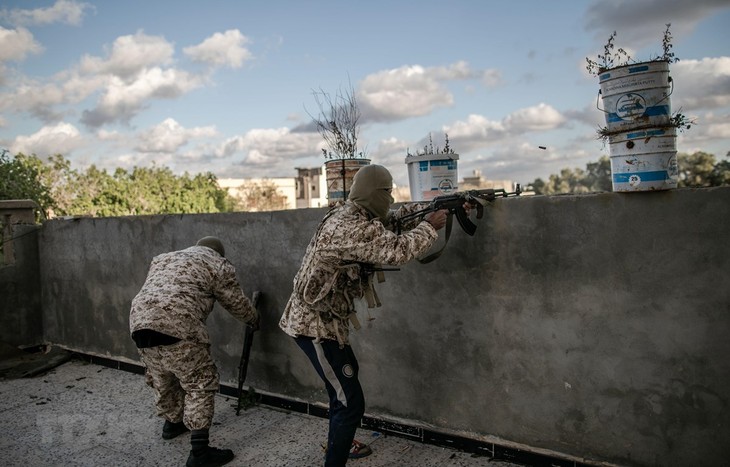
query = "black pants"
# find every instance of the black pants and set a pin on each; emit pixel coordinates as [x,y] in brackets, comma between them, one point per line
[339,370]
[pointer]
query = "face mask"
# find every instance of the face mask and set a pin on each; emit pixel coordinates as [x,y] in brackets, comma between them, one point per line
[379,204]
[370,189]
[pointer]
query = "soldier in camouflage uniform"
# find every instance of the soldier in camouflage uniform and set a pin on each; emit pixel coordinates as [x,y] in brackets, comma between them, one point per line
[337,269]
[167,322]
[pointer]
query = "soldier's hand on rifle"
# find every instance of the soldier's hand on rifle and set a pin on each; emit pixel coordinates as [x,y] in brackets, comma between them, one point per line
[256,324]
[467,207]
[437,218]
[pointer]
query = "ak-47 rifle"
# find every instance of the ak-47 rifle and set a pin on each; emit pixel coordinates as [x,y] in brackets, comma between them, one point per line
[455,205]
[246,353]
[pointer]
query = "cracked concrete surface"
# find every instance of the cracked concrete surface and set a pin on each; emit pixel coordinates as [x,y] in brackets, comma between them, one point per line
[81,414]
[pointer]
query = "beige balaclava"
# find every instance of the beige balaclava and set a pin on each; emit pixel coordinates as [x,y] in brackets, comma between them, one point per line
[213,243]
[370,189]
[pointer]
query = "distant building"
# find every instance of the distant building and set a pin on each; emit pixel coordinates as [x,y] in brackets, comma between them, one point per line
[311,188]
[307,190]
[477,182]
[285,186]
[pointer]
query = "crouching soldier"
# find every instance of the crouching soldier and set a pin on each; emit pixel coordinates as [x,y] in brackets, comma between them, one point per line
[167,322]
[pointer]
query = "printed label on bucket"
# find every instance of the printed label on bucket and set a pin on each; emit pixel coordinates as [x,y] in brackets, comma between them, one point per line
[431,178]
[636,94]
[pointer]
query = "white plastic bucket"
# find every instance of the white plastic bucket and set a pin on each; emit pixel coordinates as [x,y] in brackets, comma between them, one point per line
[432,175]
[636,96]
[339,174]
[644,160]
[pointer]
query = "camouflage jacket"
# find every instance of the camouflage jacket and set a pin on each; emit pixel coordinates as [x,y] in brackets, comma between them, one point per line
[332,275]
[180,291]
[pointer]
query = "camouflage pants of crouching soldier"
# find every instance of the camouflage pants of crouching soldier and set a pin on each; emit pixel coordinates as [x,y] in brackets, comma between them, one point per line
[185,380]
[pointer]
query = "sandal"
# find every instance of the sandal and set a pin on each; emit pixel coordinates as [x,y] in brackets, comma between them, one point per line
[359,450]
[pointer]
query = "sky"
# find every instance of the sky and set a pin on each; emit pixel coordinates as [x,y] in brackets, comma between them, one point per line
[229,87]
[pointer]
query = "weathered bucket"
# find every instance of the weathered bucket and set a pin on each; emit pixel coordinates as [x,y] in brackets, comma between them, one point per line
[644,160]
[636,96]
[339,174]
[432,175]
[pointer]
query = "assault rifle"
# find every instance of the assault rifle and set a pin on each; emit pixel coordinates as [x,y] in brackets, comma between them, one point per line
[246,354]
[455,205]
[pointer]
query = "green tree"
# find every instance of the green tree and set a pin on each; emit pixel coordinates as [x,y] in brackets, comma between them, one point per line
[696,170]
[598,176]
[21,178]
[721,172]
[63,191]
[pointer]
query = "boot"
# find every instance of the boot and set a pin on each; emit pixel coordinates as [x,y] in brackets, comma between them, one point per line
[173,430]
[209,457]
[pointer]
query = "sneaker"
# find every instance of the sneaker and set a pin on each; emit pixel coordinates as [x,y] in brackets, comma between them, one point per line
[211,457]
[173,430]
[359,450]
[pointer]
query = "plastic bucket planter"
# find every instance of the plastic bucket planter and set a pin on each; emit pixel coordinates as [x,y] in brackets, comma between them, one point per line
[636,96]
[644,160]
[339,174]
[432,175]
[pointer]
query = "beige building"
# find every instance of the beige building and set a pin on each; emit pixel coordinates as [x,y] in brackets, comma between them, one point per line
[307,190]
[477,182]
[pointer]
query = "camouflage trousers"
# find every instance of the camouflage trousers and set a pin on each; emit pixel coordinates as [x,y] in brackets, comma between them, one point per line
[185,380]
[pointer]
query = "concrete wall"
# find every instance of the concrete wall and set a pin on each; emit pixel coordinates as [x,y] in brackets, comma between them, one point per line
[20,295]
[595,326]
[20,292]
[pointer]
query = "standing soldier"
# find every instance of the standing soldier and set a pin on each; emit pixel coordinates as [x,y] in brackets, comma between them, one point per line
[167,322]
[337,268]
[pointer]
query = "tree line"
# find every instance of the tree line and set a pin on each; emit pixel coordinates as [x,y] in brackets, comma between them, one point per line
[60,190]
[699,169]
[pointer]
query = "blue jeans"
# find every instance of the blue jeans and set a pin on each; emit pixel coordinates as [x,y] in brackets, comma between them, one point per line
[339,370]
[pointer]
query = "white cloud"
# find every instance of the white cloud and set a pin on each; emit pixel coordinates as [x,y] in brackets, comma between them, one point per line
[226,49]
[475,127]
[701,83]
[414,91]
[541,117]
[60,138]
[169,136]
[127,79]
[129,56]
[477,131]
[404,92]
[710,130]
[121,100]
[272,147]
[63,11]
[16,44]
[35,98]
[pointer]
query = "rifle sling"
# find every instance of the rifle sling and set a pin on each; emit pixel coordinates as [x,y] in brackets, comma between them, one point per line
[436,254]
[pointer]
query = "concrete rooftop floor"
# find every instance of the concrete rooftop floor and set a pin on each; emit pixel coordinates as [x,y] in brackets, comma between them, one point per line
[75,413]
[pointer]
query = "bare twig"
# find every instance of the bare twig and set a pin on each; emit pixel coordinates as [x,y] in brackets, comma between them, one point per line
[338,123]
